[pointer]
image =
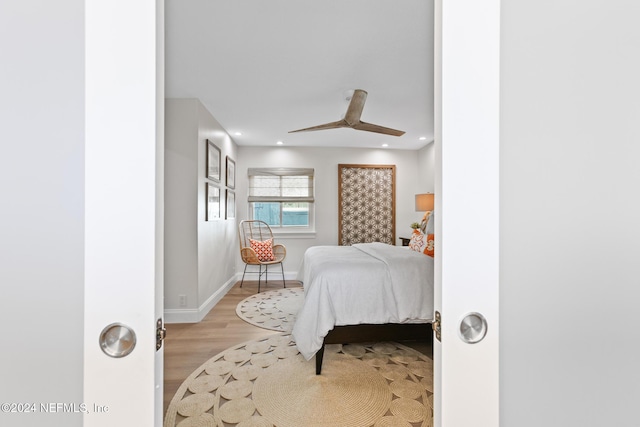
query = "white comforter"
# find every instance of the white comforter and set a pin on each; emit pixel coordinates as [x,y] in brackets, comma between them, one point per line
[364,283]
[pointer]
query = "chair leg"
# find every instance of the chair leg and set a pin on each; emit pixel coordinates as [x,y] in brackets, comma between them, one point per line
[259,276]
[283,282]
[243,273]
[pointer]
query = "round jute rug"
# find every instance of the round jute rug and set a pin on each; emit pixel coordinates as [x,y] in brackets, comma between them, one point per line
[268,383]
[274,310]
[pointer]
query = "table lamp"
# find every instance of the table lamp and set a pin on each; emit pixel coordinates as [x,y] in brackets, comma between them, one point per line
[424,203]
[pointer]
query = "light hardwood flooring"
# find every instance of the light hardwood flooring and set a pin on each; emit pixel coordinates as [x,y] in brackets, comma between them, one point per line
[189,345]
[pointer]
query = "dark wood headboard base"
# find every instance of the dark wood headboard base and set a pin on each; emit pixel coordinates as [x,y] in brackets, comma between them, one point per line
[370,332]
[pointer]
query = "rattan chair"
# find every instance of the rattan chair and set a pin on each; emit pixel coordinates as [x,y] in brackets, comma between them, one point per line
[259,232]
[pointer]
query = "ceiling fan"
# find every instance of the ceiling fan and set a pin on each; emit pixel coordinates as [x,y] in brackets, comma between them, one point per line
[352,118]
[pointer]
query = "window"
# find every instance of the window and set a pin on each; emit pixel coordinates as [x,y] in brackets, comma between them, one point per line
[282,197]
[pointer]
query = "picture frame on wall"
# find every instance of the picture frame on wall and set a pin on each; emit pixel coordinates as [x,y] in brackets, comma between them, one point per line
[231,204]
[214,156]
[231,173]
[213,202]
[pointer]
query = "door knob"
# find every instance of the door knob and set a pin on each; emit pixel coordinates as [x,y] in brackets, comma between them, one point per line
[473,328]
[117,340]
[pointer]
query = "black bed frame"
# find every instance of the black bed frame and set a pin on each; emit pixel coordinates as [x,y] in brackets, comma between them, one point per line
[372,333]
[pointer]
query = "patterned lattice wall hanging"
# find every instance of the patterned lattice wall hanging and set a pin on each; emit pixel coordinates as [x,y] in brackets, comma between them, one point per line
[366,204]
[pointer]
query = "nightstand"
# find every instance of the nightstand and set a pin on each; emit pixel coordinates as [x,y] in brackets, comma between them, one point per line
[405,241]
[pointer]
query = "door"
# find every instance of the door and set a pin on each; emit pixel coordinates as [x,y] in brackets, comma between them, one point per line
[467,197]
[123,211]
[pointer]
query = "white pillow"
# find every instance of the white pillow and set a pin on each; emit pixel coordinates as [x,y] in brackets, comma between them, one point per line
[431,224]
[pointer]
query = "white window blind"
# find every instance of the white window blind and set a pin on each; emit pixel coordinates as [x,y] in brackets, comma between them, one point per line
[281,185]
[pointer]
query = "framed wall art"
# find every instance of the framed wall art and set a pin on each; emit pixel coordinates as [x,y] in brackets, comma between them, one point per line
[213,161]
[231,173]
[366,204]
[213,202]
[231,204]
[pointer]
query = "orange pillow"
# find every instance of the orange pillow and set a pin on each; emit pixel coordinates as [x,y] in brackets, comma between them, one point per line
[421,243]
[430,246]
[263,249]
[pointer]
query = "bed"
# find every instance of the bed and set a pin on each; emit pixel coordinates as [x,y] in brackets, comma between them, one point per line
[363,292]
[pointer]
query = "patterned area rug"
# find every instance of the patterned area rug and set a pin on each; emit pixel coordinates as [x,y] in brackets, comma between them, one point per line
[268,383]
[274,310]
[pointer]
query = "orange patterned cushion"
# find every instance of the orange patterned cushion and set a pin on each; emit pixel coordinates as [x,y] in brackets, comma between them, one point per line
[430,246]
[422,243]
[264,249]
[417,241]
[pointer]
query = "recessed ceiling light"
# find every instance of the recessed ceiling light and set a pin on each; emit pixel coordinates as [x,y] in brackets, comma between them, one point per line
[423,138]
[238,134]
[279,142]
[385,145]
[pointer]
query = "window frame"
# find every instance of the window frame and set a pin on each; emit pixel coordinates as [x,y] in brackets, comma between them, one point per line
[281,229]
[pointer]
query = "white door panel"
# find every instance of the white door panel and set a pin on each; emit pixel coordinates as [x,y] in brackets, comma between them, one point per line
[467,202]
[123,227]
[159,279]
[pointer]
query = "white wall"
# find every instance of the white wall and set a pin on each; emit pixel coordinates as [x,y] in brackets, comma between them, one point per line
[199,255]
[217,240]
[569,213]
[42,215]
[181,191]
[427,164]
[409,173]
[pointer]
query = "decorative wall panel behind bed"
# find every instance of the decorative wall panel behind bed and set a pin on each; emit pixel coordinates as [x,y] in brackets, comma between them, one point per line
[366,204]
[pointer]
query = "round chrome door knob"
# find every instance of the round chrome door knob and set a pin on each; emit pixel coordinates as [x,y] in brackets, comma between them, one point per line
[473,328]
[117,340]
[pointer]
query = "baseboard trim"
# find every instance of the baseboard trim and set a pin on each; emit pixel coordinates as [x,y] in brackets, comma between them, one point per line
[274,275]
[195,315]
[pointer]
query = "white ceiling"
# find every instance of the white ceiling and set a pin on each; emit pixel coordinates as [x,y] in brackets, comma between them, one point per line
[266,67]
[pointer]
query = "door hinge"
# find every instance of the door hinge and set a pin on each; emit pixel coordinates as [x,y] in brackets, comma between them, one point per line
[161,334]
[436,326]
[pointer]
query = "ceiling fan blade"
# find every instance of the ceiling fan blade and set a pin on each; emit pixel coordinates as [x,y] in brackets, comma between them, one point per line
[332,125]
[354,111]
[352,118]
[378,129]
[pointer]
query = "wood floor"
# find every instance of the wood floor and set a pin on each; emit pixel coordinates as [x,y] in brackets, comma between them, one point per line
[189,345]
